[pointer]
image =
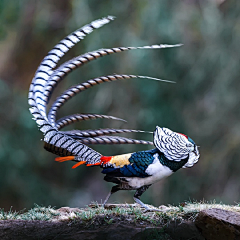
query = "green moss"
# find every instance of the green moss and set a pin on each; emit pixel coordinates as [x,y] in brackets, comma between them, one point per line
[36,213]
[95,215]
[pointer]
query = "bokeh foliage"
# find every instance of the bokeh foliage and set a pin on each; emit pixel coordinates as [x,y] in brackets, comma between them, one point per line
[204,103]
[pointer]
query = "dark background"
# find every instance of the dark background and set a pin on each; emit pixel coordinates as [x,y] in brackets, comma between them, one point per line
[204,103]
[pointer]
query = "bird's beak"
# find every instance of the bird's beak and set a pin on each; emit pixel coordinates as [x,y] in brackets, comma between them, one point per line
[195,152]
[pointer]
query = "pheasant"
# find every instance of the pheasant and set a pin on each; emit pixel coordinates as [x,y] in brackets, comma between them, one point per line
[133,171]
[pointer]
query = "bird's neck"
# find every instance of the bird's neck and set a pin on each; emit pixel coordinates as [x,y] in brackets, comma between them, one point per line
[173,165]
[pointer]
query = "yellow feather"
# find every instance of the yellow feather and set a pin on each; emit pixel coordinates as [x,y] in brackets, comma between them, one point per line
[120,160]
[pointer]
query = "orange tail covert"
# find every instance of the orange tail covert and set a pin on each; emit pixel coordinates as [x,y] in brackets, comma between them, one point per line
[64,159]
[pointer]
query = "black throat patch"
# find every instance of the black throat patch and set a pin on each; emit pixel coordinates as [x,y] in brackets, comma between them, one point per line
[173,165]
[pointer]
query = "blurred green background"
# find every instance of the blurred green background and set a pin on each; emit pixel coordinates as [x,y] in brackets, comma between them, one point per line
[204,103]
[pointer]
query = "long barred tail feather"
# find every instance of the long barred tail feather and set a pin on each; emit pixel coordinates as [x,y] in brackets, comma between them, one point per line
[71,92]
[65,121]
[55,141]
[76,62]
[79,134]
[112,140]
[72,145]
[44,71]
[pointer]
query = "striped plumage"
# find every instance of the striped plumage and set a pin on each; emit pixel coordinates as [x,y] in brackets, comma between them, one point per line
[130,171]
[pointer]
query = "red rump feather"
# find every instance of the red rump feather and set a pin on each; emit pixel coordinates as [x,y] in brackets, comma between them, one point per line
[105,159]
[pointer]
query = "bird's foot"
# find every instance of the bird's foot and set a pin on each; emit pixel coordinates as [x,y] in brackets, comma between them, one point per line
[162,208]
[152,210]
[105,201]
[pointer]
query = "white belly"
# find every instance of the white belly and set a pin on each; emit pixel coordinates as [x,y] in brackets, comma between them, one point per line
[157,172]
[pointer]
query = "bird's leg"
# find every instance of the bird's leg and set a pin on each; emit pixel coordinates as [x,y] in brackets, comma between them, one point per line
[137,196]
[113,190]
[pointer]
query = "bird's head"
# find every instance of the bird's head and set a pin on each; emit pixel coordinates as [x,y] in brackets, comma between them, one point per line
[176,146]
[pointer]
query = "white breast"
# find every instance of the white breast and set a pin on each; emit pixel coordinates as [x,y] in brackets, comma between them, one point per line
[157,172]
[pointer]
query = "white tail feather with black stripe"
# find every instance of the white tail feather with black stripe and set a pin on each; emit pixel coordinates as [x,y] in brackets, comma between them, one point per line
[71,92]
[76,62]
[79,134]
[112,140]
[65,121]
[45,80]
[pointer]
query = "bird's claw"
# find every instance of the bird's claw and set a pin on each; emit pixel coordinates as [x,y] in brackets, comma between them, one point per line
[152,210]
[161,208]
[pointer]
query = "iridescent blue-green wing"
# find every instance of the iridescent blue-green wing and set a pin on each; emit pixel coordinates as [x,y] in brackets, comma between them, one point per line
[138,163]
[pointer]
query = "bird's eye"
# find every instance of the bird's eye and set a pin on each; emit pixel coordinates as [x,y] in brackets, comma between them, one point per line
[189,145]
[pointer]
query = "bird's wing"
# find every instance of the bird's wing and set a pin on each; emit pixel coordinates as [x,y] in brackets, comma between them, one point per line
[129,165]
[124,165]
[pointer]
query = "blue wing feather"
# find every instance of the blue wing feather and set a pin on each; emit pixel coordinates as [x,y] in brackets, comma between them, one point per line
[139,162]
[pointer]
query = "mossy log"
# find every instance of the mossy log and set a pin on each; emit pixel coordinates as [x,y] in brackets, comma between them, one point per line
[122,222]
